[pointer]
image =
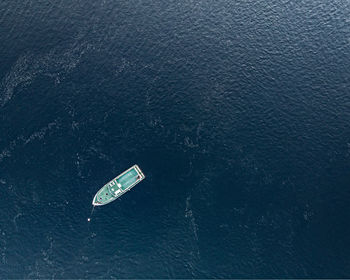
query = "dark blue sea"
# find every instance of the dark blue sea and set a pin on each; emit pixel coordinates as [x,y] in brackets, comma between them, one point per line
[237,111]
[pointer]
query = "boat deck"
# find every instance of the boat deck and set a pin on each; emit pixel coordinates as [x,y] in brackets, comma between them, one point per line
[118,186]
[128,179]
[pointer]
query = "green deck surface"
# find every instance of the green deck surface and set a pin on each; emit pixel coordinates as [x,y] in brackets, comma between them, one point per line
[108,192]
[128,179]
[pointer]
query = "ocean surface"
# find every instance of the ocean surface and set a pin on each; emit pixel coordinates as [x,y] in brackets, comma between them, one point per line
[237,111]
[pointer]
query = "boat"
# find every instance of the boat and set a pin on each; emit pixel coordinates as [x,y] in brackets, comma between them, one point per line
[118,186]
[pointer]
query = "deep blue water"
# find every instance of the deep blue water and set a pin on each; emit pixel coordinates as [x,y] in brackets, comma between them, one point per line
[237,111]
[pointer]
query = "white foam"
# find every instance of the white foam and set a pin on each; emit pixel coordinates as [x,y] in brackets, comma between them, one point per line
[55,64]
